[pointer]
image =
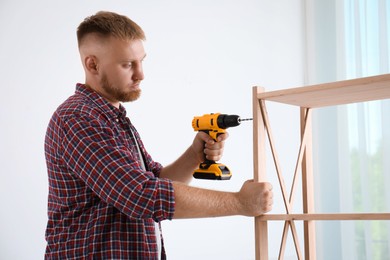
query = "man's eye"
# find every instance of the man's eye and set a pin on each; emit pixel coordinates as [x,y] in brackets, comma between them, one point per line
[127,65]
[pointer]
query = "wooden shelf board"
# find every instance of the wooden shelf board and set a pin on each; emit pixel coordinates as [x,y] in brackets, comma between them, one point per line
[335,93]
[326,216]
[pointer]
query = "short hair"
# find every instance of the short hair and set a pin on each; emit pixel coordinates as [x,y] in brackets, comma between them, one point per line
[108,24]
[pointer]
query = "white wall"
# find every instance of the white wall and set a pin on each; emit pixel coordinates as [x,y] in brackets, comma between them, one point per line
[203,56]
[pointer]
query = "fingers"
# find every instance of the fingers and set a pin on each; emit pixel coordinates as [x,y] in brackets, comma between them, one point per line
[256,198]
[263,197]
[268,198]
[223,137]
[204,137]
[212,149]
[208,140]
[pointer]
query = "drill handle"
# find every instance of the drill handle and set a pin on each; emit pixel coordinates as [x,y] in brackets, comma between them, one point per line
[214,133]
[208,162]
[209,169]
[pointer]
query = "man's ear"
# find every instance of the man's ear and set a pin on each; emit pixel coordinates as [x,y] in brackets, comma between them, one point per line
[91,64]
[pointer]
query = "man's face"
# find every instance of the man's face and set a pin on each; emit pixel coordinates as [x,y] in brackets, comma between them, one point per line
[121,71]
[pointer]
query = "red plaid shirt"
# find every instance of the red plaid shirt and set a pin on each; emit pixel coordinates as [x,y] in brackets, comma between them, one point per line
[102,204]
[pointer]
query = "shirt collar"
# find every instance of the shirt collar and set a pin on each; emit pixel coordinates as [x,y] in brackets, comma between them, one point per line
[101,102]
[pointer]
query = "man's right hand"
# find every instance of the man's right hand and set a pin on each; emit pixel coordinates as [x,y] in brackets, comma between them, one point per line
[255,198]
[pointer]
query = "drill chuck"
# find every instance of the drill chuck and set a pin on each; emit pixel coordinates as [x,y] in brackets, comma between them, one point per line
[225,121]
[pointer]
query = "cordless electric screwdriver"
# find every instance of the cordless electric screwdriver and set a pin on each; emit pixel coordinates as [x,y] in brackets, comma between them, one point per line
[214,125]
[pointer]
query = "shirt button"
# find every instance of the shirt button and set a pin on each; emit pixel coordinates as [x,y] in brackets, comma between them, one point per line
[117,119]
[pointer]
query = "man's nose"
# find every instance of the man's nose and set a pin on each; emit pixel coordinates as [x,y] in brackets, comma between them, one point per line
[138,73]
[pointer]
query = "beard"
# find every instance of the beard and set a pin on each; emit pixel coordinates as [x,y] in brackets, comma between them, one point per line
[118,94]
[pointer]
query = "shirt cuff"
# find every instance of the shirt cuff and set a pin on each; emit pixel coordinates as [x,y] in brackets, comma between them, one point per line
[164,206]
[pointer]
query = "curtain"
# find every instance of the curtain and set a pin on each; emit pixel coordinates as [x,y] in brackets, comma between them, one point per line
[351,147]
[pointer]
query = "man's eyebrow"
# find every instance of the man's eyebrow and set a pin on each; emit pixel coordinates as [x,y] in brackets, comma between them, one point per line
[131,60]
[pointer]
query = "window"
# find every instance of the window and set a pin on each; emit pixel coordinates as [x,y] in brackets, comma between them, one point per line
[350,39]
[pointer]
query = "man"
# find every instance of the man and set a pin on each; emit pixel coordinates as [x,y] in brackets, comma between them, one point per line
[105,191]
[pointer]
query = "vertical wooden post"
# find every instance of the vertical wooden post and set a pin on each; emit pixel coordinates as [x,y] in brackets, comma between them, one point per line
[307,188]
[259,172]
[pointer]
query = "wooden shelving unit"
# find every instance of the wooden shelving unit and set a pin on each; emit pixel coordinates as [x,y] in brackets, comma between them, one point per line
[307,98]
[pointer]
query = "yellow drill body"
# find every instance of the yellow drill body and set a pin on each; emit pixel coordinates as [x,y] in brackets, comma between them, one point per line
[214,125]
